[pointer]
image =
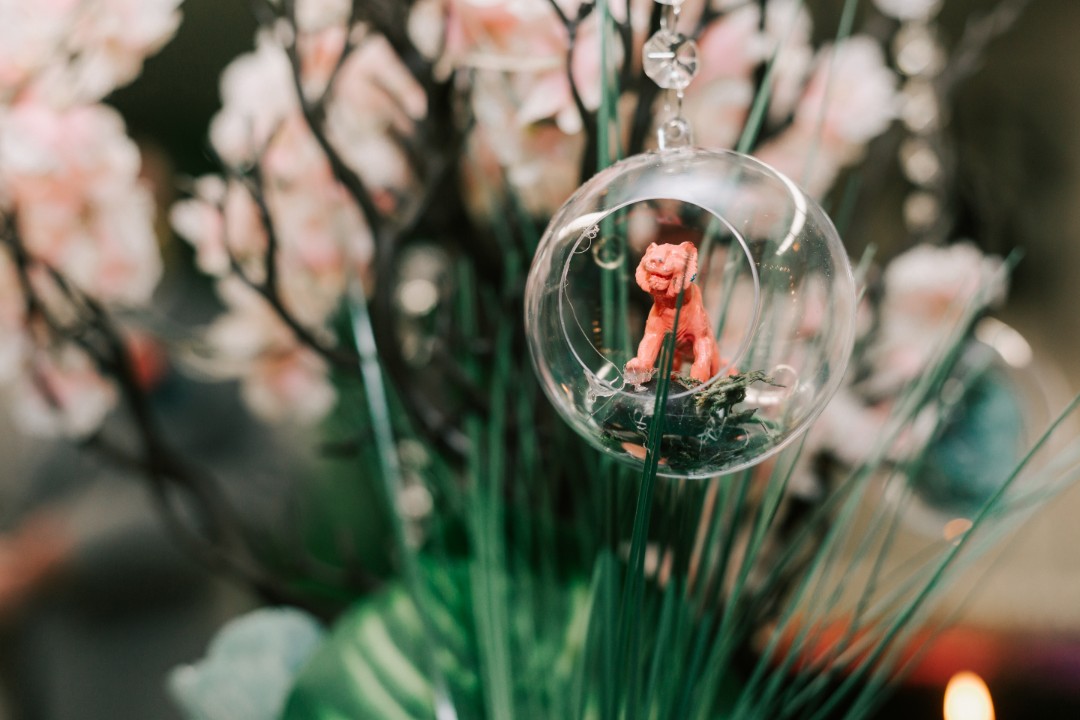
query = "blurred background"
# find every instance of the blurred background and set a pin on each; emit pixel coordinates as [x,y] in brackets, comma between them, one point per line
[100,603]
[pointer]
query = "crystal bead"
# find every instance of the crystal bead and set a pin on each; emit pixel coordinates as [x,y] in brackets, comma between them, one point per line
[671,60]
[920,109]
[921,210]
[918,50]
[920,161]
[674,133]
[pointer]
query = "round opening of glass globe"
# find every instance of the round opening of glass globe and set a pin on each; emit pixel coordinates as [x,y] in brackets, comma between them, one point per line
[707,275]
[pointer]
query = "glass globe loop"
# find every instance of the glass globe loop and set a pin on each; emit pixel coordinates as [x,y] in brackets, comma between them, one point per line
[747,269]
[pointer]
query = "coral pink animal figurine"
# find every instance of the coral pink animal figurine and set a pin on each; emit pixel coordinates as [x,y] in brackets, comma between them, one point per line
[664,271]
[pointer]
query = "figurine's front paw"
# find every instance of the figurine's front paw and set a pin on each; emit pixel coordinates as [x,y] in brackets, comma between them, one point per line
[637,372]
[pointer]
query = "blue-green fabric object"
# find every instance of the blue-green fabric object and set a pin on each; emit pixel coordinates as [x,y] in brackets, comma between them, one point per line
[976,450]
[249,668]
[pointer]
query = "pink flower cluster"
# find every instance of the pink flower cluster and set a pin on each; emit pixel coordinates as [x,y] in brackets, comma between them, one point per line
[929,292]
[528,131]
[70,187]
[528,123]
[321,240]
[838,98]
[65,52]
[829,103]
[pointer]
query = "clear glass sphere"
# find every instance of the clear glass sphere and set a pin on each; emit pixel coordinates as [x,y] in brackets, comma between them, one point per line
[749,267]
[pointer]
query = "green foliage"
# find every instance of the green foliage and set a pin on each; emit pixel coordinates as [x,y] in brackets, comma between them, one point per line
[553,584]
[369,668]
[377,662]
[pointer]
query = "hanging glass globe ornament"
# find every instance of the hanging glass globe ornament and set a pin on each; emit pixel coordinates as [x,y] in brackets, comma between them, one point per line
[992,409]
[749,266]
[708,265]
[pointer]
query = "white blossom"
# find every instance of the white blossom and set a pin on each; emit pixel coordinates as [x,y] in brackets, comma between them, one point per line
[60,392]
[73,176]
[851,95]
[928,291]
[908,9]
[281,379]
[257,94]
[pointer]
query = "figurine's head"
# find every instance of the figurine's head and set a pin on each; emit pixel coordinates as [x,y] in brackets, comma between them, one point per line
[665,269]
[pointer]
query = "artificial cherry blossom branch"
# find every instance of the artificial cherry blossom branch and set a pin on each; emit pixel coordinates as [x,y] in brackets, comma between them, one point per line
[349,179]
[588,119]
[225,549]
[269,289]
[390,19]
[440,167]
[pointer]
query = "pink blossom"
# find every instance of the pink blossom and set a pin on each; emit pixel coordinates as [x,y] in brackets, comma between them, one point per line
[111,38]
[324,240]
[290,385]
[540,163]
[529,39]
[320,54]
[12,318]
[928,291]
[798,154]
[373,82]
[69,176]
[851,97]
[374,94]
[718,110]
[427,27]
[220,221]
[788,33]
[30,36]
[926,282]
[730,50]
[72,177]
[731,47]
[375,98]
[293,160]
[65,52]
[849,100]
[492,25]
[61,393]
[247,328]
[49,155]
[549,94]
[257,95]
[321,235]
[281,379]
[313,15]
